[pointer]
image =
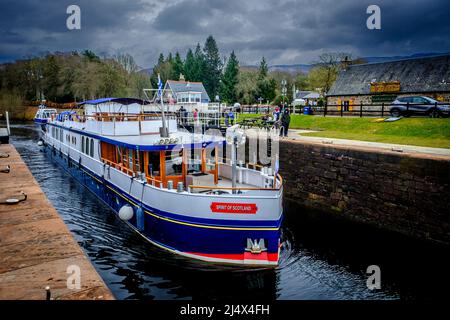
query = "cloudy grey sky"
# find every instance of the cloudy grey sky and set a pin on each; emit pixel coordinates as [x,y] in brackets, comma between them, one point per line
[284,31]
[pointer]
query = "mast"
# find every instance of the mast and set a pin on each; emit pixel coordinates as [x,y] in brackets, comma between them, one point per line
[164,132]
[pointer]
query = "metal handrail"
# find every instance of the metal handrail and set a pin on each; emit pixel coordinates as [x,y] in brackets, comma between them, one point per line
[240,188]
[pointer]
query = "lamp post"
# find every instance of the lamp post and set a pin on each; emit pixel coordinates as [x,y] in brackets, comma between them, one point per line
[260,99]
[283,90]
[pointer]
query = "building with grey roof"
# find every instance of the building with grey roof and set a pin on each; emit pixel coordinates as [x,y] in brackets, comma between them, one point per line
[187,92]
[376,83]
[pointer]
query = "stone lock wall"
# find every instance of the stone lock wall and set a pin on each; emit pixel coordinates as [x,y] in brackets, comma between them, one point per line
[406,193]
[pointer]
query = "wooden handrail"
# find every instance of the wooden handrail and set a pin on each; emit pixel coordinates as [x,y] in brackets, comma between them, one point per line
[152,181]
[118,166]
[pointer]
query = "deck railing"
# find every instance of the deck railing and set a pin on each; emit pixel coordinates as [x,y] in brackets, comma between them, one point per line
[150,180]
[118,166]
[279,179]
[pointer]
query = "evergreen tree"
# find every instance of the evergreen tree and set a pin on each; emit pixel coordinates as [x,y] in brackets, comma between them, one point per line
[189,65]
[213,67]
[266,88]
[161,59]
[170,58]
[177,66]
[164,67]
[199,65]
[228,91]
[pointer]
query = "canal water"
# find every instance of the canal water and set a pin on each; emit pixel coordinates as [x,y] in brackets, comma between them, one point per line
[320,258]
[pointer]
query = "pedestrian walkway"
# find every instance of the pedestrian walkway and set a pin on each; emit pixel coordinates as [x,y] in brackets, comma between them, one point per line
[37,249]
[297,135]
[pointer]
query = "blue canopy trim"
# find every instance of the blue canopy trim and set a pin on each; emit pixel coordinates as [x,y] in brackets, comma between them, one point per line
[70,115]
[155,147]
[124,101]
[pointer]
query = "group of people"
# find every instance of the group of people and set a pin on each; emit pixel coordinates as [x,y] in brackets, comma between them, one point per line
[281,118]
[229,117]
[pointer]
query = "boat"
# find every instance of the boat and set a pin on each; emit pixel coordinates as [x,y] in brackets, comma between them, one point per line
[43,115]
[169,185]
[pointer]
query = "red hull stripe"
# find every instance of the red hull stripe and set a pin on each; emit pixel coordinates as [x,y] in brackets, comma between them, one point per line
[264,256]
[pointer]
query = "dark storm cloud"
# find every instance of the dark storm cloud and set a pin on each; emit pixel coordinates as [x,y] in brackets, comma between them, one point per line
[284,31]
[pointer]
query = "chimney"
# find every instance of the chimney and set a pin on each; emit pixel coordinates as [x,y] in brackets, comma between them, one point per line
[345,63]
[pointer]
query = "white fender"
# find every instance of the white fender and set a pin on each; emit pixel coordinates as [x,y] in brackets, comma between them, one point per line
[126,212]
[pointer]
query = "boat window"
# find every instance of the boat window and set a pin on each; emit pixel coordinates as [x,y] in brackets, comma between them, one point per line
[173,164]
[91,151]
[153,163]
[119,155]
[130,159]
[82,144]
[137,160]
[87,146]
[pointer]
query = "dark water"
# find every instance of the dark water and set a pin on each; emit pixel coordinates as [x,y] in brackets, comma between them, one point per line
[320,258]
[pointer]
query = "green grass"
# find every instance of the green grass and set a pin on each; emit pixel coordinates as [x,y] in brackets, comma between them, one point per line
[427,132]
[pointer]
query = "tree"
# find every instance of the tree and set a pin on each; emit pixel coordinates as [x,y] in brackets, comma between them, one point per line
[91,56]
[112,80]
[50,83]
[164,68]
[161,59]
[325,73]
[265,87]
[279,76]
[301,82]
[189,66]
[199,64]
[126,60]
[263,69]
[213,67]
[177,67]
[65,77]
[229,80]
[246,86]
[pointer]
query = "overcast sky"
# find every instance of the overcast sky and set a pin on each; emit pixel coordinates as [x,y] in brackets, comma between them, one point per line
[284,31]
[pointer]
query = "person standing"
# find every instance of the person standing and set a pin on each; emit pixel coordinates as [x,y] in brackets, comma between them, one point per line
[285,121]
[182,113]
[231,116]
[196,122]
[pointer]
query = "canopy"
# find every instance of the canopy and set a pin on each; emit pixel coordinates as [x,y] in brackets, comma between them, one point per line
[125,101]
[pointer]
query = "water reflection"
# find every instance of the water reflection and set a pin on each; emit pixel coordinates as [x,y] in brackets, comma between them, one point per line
[318,260]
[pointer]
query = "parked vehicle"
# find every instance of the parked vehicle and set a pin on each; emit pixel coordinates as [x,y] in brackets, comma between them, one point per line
[418,105]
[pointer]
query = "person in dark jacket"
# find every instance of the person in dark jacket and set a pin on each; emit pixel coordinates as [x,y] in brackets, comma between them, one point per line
[285,120]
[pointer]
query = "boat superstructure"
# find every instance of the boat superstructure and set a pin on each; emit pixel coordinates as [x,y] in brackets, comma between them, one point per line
[174,187]
[43,115]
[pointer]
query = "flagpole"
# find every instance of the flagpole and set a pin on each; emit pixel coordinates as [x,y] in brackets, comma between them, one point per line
[165,132]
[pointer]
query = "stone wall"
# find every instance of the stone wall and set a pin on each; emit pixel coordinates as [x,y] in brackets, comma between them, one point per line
[407,193]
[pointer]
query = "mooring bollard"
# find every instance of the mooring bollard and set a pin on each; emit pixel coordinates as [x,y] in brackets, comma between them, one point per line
[48,293]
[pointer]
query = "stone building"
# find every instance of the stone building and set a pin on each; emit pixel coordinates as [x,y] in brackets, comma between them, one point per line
[377,83]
